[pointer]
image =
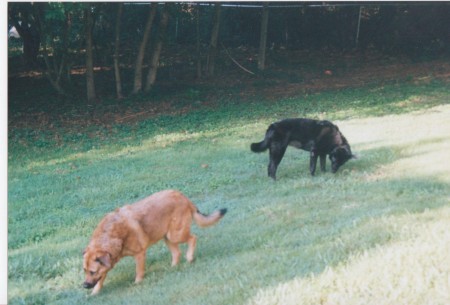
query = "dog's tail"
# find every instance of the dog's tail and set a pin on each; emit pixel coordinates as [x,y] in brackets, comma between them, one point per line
[204,221]
[264,144]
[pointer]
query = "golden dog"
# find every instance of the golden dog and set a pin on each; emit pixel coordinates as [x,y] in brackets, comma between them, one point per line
[131,229]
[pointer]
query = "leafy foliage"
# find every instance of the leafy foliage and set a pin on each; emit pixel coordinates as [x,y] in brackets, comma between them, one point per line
[418,30]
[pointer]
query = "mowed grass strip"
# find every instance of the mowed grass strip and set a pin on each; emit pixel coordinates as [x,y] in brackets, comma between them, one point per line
[364,235]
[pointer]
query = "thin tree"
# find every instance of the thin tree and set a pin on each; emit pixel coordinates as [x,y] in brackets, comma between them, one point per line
[137,87]
[151,77]
[117,53]
[358,27]
[90,85]
[199,55]
[210,63]
[263,36]
[57,64]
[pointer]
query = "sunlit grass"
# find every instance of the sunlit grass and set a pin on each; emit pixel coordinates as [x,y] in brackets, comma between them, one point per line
[374,233]
[412,270]
[422,139]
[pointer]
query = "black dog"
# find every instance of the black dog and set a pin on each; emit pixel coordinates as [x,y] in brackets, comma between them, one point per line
[321,138]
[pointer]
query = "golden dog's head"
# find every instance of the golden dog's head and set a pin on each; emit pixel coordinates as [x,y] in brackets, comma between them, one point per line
[96,263]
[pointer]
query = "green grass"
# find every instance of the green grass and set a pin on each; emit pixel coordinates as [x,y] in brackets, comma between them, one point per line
[374,233]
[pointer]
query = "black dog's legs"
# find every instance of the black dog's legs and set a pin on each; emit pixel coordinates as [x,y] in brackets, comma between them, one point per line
[313,161]
[323,160]
[276,154]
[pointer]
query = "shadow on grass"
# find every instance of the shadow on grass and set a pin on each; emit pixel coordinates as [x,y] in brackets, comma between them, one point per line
[336,105]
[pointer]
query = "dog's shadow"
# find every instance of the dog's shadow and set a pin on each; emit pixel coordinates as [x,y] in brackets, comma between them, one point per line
[295,165]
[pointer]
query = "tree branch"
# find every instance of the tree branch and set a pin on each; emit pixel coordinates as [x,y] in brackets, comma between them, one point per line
[238,64]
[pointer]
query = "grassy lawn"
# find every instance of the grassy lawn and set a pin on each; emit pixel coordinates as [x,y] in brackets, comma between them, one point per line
[377,232]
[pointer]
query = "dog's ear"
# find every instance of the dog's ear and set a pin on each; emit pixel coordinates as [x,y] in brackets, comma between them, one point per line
[104,259]
[334,151]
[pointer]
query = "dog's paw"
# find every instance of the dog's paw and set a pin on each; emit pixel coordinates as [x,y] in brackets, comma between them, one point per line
[95,292]
[138,280]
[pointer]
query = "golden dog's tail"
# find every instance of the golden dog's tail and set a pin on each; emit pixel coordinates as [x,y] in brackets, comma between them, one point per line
[204,221]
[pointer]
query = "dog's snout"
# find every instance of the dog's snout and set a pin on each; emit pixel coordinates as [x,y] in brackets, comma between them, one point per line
[88,285]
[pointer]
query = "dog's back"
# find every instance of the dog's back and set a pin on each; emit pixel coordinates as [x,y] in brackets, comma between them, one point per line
[297,132]
[166,210]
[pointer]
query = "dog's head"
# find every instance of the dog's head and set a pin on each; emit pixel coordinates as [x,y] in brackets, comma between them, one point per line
[339,156]
[96,263]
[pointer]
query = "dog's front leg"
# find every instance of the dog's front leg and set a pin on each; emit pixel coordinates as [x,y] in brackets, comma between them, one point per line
[99,285]
[140,266]
[323,161]
[313,162]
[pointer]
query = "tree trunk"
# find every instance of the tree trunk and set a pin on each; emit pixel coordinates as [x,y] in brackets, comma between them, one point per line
[54,69]
[53,76]
[213,44]
[263,37]
[31,41]
[137,87]
[90,85]
[151,77]
[116,52]
[199,55]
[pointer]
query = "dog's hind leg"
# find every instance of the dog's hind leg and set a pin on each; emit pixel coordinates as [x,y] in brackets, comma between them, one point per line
[175,250]
[277,151]
[140,266]
[192,242]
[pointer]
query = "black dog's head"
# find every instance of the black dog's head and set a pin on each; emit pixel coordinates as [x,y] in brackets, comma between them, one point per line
[339,156]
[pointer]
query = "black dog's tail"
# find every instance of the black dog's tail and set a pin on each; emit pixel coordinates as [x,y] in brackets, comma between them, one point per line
[264,144]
